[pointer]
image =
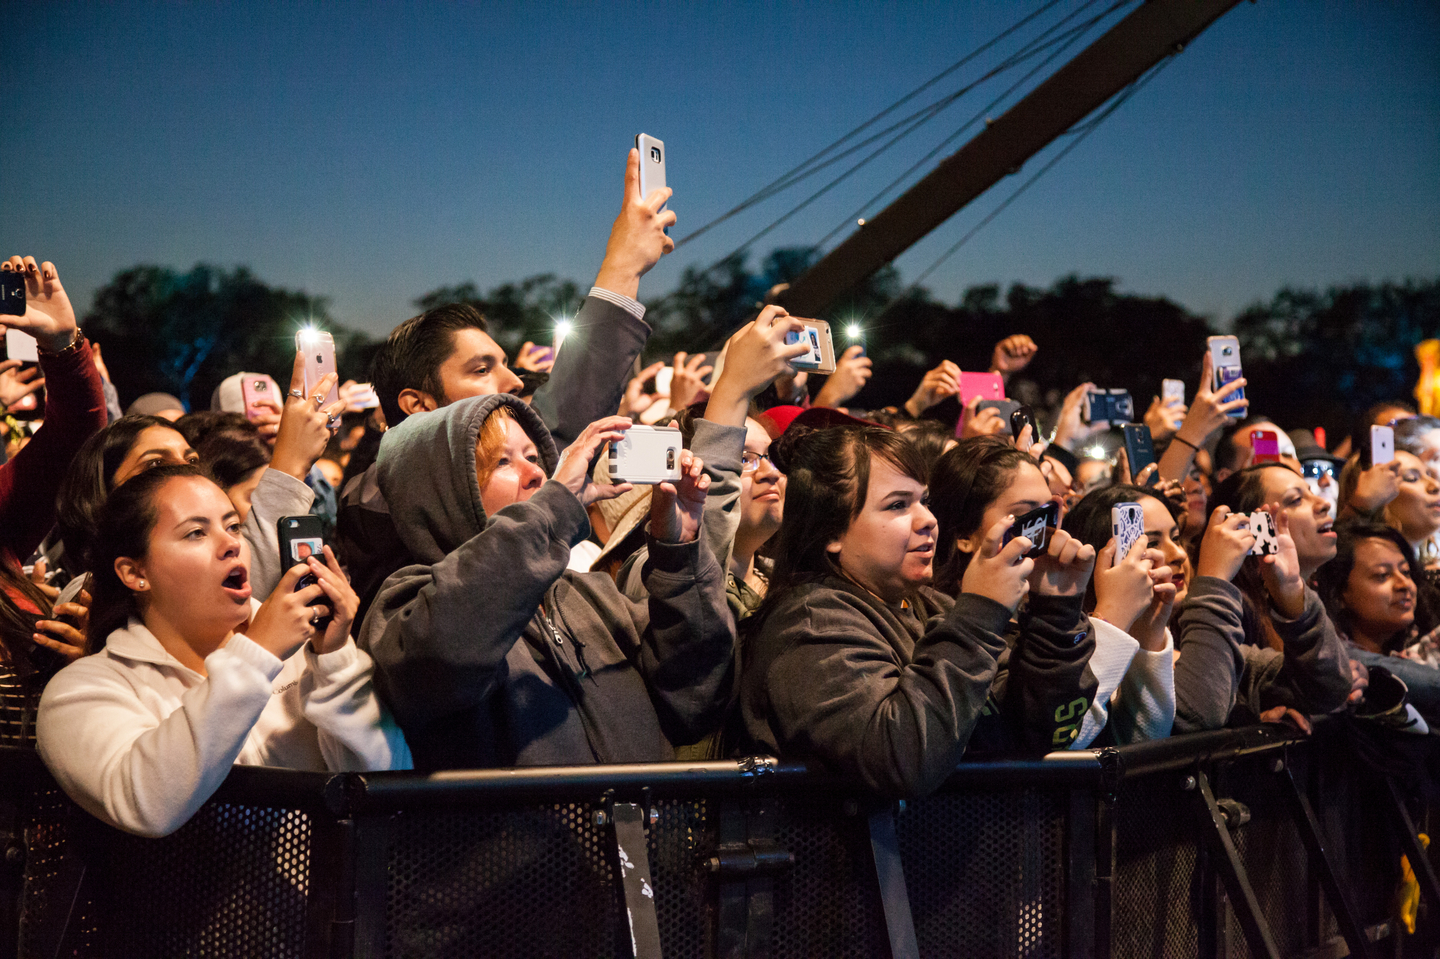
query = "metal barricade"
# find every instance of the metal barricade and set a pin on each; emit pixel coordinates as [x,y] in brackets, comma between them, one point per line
[1192,846]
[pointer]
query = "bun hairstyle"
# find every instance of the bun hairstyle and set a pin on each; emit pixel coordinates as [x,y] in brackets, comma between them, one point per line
[827,474]
[966,480]
[125,524]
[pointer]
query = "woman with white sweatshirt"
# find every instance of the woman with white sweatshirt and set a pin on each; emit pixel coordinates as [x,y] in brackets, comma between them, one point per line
[188,675]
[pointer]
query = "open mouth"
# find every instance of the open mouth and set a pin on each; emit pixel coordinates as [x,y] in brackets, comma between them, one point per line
[237,583]
[925,550]
[1326,528]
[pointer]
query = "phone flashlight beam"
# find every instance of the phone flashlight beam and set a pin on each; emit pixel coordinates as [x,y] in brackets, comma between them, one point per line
[562,330]
[853,331]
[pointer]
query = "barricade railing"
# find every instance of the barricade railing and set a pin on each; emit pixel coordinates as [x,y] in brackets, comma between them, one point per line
[1233,843]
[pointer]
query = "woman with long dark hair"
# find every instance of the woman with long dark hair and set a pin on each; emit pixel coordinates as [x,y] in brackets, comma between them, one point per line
[856,662]
[188,675]
[34,642]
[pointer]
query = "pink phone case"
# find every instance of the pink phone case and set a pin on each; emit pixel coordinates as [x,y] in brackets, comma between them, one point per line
[988,386]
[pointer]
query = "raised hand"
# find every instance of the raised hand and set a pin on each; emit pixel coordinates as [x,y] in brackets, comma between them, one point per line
[48,316]
[1207,414]
[636,400]
[755,356]
[573,470]
[1072,430]
[676,508]
[941,382]
[1001,573]
[1149,627]
[343,603]
[306,424]
[637,240]
[16,384]
[1123,590]
[286,619]
[1375,487]
[852,371]
[1225,545]
[1012,354]
[978,422]
[536,359]
[1164,419]
[1281,570]
[67,639]
[687,384]
[1065,568]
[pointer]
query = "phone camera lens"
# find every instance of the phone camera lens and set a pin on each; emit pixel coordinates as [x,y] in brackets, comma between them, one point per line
[655,154]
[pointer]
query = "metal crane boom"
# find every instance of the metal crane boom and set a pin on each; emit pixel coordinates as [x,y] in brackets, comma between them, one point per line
[1118,58]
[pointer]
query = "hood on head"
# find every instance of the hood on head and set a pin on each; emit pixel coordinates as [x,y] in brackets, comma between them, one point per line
[426,471]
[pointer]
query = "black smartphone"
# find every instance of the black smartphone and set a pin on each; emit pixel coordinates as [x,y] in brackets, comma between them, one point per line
[1006,408]
[1035,526]
[12,293]
[300,538]
[1108,406]
[1022,417]
[1139,450]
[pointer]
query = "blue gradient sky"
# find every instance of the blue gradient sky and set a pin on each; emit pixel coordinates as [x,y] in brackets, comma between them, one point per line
[371,152]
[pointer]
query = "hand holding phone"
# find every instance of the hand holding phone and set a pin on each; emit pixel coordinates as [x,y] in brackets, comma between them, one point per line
[1172,392]
[652,165]
[821,358]
[1225,361]
[1382,446]
[1021,417]
[1127,525]
[1139,450]
[646,455]
[300,538]
[1035,526]
[318,348]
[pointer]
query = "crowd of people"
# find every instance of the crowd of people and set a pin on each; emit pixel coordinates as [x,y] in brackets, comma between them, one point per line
[842,586]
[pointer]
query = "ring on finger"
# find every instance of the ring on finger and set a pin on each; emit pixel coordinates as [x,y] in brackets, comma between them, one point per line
[298,394]
[332,422]
[319,399]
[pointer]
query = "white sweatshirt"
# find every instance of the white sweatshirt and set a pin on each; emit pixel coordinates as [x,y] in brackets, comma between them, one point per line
[141,741]
[1136,693]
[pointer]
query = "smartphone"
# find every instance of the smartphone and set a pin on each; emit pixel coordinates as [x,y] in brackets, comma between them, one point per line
[652,164]
[647,454]
[1266,446]
[1225,358]
[319,350]
[1006,408]
[72,589]
[663,379]
[12,295]
[1263,526]
[1127,525]
[987,386]
[364,396]
[1035,526]
[1382,445]
[1108,406]
[1172,392]
[20,345]
[255,387]
[301,537]
[1021,417]
[821,358]
[1139,449]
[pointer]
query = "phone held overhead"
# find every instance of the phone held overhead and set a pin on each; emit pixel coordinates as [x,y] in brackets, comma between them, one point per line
[1225,360]
[318,348]
[646,455]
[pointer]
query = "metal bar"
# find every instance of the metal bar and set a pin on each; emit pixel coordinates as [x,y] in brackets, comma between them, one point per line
[1142,39]
[1232,871]
[330,897]
[890,874]
[1082,874]
[1314,840]
[372,839]
[1410,839]
[632,867]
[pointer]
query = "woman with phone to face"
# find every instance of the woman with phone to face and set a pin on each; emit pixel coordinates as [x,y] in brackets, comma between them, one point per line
[34,642]
[1056,652]
[1253,636]
[855,662]
[489,650]
[189,675]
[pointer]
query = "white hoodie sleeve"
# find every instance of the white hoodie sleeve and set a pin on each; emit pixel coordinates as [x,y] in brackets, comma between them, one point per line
[1144,706]
[357,734]
[110,753]
[1114,651]
[278,494]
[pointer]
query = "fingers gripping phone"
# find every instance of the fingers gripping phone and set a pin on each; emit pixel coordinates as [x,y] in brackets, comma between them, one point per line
[652,164]
[821,358]
[300,538]
[1382,446]
[647,455]
[1127,525]
[318,348]
[1035,526]
[1225,360]
[256,388]
[1172,392]
[1021,417]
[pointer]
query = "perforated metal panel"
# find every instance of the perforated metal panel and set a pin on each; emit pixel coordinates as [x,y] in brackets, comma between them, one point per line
[1274,858]
[827,905]
[985,873]
[1157,888]
[49,820]
[682,839]
[533,882]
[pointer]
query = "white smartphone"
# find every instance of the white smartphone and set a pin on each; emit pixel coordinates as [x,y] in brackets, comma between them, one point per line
[1382,445]
[1263,526]
[21,346]
[72,589]
[821,358]
[1172,392]
[1225,360]
[319,350]
[647,454]
[652,164]
[1127,525]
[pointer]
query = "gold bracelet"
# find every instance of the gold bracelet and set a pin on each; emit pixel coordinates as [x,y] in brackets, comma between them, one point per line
[75,339]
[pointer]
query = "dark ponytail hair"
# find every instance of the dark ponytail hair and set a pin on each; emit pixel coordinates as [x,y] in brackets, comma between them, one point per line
[827,476]
[1089,520]
[87,483]
[968,478]
[124,529]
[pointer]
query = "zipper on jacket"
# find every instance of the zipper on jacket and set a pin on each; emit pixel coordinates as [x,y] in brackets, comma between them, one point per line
[559,640]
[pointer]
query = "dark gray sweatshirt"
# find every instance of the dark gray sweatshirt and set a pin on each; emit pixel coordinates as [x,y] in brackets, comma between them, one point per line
[490,653]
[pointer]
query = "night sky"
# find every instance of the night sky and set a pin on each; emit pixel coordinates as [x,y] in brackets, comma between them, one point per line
[370,153]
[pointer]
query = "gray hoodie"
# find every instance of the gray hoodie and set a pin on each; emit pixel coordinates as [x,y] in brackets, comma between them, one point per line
[490,653]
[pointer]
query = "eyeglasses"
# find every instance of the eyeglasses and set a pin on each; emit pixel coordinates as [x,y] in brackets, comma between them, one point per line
[1314,469]
[750,462]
